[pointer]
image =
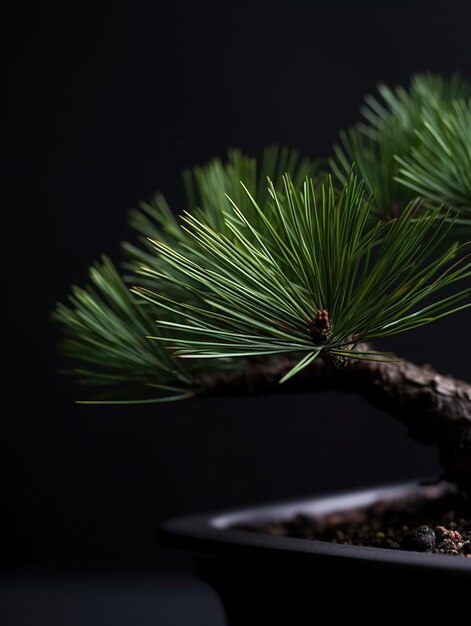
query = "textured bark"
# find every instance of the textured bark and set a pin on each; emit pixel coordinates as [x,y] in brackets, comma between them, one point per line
[435,408]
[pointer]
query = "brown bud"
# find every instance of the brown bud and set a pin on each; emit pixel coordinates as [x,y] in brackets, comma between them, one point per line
[320,327]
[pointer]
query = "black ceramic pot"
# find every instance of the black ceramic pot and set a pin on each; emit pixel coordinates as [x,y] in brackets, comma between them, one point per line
[263,579]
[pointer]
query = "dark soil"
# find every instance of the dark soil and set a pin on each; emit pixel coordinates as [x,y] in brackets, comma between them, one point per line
[441,526]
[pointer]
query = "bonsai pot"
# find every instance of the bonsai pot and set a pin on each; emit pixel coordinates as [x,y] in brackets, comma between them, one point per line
[278,579]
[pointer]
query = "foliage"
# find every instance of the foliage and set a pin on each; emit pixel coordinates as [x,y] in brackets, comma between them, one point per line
[259,292]
[392,131]
[276,257]
[106,327]
[439,166]
[105,330]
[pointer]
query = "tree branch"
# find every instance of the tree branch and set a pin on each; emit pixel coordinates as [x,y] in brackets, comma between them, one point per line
[435,408]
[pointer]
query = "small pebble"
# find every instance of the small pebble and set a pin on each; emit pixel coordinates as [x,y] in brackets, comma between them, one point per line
[443,533]
[422,539]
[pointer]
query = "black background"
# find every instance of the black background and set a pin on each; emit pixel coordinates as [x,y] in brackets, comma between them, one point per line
[106,105]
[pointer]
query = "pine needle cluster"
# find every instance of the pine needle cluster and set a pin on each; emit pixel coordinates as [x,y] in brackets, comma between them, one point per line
[285,257]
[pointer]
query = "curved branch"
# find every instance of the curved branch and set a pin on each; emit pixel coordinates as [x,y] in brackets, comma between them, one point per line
[435,408]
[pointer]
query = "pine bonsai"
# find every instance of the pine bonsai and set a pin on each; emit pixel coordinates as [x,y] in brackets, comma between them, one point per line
[283,275]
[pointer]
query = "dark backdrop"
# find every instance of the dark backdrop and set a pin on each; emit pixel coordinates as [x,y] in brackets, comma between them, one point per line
[105,106]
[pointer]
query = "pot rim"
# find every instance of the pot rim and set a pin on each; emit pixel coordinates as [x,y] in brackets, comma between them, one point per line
[210,534]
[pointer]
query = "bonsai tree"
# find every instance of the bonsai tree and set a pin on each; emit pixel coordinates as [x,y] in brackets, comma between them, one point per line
[286,275]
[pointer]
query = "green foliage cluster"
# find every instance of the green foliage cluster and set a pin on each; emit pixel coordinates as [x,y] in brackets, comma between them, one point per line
[264,248]
[412,142]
